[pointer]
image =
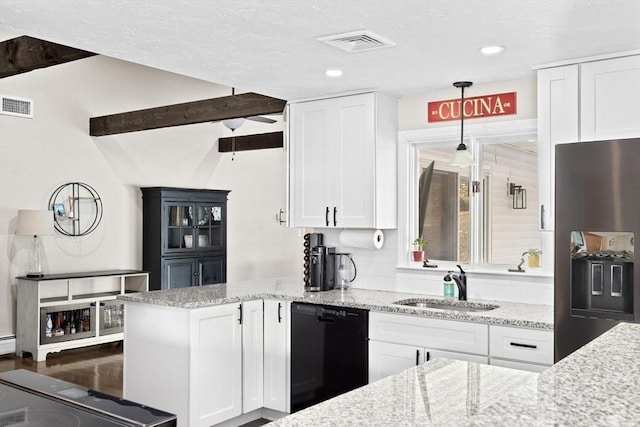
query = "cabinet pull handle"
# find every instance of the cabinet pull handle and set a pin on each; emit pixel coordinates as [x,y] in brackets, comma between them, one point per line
[541,217]
[428,356]
[335,213]
[102,304]
[517,344]
[93,304]
[240,316]
[417,357]
[326,216]
[279,313]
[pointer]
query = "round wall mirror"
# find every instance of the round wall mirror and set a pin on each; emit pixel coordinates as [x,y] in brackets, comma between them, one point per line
[77,209]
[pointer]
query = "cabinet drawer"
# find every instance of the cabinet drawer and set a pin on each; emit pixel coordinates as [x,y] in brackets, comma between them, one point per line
[527,345]
[434,334]
[518,365]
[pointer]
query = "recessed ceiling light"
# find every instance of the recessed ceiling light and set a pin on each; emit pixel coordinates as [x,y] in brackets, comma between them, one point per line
[333,73]
[491,50]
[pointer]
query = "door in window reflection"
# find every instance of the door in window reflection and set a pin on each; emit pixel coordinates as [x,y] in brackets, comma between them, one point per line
[446,224]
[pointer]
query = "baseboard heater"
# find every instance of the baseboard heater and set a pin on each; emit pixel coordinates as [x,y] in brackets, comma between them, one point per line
[8,344]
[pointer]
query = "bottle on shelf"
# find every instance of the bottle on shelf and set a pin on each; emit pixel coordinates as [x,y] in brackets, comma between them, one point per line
[86,326]
[48,331]
[58,331]
[107,317]
[65,323]
[73,322]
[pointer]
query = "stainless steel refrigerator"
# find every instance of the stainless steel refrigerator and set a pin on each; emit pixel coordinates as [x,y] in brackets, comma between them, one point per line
[597,211]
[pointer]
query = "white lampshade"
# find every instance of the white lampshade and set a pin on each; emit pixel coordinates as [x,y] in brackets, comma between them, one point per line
[35,223]
[462,158]
[233,124]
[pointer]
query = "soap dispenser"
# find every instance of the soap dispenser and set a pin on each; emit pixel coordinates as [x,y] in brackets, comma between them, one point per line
[448,287]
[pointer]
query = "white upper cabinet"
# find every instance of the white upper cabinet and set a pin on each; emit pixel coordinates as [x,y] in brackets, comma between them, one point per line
[342,162]
[610,99]
[558,104]
[583,101]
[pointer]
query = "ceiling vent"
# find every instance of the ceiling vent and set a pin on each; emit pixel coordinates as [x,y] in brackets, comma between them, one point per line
[13,106]
[357,41]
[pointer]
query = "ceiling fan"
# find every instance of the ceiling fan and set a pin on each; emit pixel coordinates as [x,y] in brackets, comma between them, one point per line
[234,124]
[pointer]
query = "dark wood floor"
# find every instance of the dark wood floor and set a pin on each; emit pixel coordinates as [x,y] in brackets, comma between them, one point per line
[97,367]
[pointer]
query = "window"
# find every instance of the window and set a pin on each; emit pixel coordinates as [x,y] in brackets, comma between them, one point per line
[469,215]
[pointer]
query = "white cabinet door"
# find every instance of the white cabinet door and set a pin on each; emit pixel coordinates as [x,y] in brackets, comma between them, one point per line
[390,358]
[252,354]
[215,360]
[309,151]
[558,104]
[610,99]
[277,327]
[353,160]
[432,354]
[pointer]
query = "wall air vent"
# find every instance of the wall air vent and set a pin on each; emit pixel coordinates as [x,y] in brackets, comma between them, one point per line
[13,106]
[357,41]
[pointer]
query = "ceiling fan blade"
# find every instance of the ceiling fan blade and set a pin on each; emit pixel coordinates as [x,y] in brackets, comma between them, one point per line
[261,119]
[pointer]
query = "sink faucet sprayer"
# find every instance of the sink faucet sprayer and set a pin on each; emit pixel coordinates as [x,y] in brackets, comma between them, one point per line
[461,281]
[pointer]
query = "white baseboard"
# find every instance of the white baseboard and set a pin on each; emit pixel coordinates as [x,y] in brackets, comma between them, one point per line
[7,345]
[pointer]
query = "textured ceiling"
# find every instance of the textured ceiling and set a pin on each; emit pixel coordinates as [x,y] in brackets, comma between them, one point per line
[270,46]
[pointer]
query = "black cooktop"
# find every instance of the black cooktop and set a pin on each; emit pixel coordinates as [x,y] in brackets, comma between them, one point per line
[31,399]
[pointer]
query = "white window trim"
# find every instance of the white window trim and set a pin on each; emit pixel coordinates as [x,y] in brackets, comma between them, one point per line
[408,164]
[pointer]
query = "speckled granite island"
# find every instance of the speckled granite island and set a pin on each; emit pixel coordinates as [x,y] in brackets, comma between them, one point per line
[532,316]
[598,385]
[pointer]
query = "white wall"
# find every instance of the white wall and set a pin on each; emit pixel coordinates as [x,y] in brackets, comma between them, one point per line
[39,154]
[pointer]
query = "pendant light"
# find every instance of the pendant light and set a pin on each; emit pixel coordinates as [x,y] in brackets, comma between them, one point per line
[462,157]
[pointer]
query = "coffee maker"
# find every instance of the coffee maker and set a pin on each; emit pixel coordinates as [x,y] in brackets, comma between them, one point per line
[320,264]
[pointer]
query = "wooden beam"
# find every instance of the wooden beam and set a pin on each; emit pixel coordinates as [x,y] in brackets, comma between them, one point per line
[208,110]
[23,54]
[251,142]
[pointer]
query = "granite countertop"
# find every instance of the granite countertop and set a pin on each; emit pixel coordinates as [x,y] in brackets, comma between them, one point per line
[599,385]
[533,316]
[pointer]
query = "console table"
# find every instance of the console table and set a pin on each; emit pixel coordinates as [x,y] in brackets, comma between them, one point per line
[61,311]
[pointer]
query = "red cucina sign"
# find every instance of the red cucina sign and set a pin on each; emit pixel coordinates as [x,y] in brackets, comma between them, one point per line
[498,104]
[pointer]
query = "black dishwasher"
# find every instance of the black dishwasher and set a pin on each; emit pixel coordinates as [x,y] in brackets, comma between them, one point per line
[329,352]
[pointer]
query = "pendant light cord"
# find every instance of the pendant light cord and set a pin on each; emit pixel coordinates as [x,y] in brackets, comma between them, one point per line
[462,85]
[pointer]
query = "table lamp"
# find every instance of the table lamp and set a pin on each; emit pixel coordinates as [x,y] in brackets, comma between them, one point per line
[35,223]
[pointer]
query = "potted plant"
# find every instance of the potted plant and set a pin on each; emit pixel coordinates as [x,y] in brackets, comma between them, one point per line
[418,249]
[533,257]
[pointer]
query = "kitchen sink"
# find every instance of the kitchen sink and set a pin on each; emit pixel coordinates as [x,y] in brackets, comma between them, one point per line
[446,305]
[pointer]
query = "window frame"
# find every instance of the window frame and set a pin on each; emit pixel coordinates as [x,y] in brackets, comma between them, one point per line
[408,165]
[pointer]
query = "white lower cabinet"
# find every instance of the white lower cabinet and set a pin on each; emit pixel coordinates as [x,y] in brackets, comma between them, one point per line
[389,358]
[520,348]
[252,355]
[398,342]
[204,364]
[215,361]
[277,350]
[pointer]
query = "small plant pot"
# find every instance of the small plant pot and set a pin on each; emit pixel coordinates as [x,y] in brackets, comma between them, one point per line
[418,256]
[533,261]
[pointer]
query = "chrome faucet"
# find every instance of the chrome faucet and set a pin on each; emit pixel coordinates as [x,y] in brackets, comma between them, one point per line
[461,281]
